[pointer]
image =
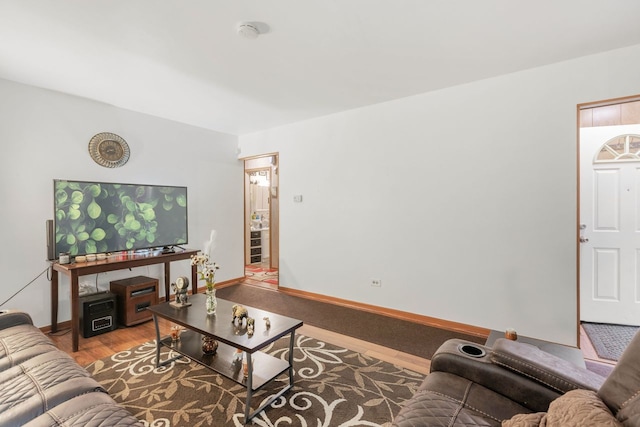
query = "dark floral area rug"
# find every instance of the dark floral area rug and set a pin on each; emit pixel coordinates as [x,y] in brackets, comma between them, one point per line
[333,387]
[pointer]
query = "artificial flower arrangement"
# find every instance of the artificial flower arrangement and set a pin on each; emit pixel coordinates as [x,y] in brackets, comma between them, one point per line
[206,269]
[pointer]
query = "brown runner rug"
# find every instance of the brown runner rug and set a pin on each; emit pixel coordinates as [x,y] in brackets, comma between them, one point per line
[333,387]
[409,337]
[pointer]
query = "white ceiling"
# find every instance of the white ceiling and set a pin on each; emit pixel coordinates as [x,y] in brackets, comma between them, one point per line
[183,60]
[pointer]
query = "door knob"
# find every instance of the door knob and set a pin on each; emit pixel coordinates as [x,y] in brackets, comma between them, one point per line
[583,239]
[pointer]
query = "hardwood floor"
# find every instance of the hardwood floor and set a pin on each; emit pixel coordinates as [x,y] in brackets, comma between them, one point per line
[100,346]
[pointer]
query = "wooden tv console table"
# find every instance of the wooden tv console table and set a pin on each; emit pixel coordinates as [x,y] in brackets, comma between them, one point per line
[75,270]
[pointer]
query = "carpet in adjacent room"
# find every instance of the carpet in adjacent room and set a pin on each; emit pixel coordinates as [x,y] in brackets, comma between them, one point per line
[333,386]
[260,274]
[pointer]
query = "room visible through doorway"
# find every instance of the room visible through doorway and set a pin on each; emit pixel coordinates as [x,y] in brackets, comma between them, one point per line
[261,219]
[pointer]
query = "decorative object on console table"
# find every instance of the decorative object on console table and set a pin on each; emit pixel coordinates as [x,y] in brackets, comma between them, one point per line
[207,272]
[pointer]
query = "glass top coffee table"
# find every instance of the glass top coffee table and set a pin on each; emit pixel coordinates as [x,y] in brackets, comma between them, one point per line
[230,336]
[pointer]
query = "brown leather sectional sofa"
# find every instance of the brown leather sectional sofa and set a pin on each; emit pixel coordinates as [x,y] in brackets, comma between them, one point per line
[41,386]
[518,385]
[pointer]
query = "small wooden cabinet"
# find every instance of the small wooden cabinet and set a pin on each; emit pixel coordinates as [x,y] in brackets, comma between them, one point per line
[256,248]
[134,295]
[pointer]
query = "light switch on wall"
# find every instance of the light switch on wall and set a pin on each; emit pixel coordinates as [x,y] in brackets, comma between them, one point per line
[297,198]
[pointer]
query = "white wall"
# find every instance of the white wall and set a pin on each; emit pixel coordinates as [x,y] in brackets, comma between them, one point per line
[45,135]
[462,201]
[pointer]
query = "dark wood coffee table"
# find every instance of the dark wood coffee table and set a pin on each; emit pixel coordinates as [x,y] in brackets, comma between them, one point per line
[230,336]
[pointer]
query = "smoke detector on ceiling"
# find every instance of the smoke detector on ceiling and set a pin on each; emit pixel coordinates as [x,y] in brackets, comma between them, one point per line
[248,30]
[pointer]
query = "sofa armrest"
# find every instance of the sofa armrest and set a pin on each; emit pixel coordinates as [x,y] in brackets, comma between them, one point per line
[9,318]
[543,367]
[510,379]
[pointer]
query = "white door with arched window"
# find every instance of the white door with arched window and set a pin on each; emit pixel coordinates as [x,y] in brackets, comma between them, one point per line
[610,224]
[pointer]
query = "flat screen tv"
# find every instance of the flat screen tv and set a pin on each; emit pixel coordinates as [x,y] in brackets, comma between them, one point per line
[102,217]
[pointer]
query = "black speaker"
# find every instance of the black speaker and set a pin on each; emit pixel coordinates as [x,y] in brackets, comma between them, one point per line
[97,314]
[51,245]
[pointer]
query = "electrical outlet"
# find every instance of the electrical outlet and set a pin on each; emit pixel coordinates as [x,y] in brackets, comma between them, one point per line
[376,283]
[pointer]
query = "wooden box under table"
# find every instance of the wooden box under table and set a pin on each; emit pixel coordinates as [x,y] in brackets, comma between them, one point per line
[134,295]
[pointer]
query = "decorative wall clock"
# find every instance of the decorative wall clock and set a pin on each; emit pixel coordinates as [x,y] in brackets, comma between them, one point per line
[109,150]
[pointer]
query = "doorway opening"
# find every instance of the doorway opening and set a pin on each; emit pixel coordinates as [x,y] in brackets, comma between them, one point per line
[608,229]
[262,221]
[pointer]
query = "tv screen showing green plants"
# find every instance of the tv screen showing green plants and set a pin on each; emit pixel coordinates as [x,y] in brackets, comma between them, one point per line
[102,217]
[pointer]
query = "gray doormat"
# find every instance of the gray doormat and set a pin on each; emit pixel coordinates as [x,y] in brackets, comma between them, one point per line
[609,340]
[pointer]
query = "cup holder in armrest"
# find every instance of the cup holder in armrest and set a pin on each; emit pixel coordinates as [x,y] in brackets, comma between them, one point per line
[471,350]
